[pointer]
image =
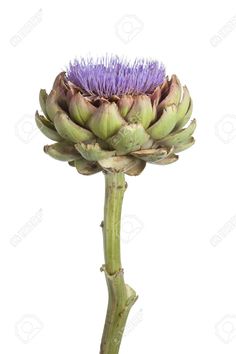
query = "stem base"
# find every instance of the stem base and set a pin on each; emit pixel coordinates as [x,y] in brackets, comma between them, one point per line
[121,298]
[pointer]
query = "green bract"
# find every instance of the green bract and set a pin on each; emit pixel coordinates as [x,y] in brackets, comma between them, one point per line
[120,134]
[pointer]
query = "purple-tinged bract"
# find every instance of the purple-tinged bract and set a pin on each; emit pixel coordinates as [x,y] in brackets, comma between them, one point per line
[109,76]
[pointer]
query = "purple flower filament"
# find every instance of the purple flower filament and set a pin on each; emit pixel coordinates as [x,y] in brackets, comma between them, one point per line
[109,76]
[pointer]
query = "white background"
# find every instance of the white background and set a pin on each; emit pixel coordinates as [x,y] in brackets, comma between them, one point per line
[178,227]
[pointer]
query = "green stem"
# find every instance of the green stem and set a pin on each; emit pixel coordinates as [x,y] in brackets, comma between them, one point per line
[121,296]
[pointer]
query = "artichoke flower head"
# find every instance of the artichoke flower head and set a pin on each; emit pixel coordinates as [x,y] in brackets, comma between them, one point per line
[114,115]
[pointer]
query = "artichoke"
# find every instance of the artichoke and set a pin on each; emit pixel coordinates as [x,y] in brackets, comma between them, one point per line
[100,127]
[114,116]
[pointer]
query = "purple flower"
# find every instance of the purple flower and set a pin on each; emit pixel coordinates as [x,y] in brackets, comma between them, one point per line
[108,76]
